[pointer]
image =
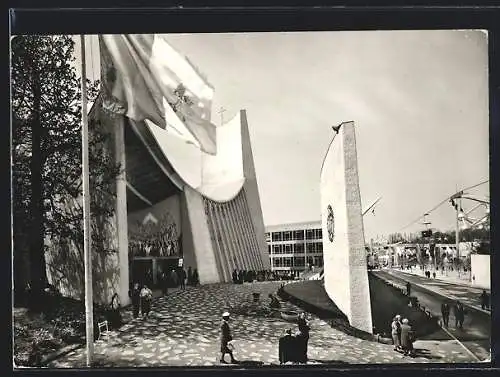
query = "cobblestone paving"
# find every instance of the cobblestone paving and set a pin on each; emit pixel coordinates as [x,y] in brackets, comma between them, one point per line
[183,330]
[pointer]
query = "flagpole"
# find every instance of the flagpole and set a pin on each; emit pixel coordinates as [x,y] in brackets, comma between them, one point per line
[89,310]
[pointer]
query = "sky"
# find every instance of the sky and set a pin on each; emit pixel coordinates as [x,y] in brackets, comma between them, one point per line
[419,100]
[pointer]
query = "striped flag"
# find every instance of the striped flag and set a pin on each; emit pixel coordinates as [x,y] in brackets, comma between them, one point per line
[144,78]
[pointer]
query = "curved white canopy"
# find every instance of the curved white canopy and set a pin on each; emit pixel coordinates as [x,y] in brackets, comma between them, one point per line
[218,177]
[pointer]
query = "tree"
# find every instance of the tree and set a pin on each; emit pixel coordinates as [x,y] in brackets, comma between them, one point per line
[46,109]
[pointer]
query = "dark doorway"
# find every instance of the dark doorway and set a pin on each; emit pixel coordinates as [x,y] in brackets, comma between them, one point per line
[142,271]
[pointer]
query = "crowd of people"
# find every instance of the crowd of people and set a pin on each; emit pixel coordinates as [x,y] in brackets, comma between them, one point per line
[178,277]
[443,269]
[249,276]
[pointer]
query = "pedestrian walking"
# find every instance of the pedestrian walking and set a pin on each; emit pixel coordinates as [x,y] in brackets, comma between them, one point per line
[434,274]
[485,300]
[406,338]
[225,338]
[408,289]
[174,278]
[190,276]
[459,315]
[396,332]
[303,337]
[146,298]
[135,296]
[235,276]
[196,277]
[182,278]
[445,313]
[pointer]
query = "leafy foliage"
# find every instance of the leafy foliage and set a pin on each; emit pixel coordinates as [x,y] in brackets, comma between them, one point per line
[44,66]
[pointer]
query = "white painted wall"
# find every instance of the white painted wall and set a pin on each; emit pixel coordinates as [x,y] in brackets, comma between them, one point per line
[346,276]
[480,268]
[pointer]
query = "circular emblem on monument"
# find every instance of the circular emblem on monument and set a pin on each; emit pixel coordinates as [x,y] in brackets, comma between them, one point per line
[330,223]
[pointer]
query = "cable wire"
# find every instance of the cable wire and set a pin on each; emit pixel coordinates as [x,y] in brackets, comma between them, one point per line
[442,202]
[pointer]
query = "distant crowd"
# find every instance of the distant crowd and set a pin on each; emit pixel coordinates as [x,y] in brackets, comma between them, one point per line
[427,273]
[249,276]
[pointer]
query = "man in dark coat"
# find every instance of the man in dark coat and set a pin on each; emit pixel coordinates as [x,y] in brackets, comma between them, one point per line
[225,338]
[408,288]
[287,347]
[174,279]
[485,300]
[240,277]
[135,296]
[196,277]
[459,315]
[445,312]
[190,276]
[164,283]
[304,337]
[182,278]
[235,276]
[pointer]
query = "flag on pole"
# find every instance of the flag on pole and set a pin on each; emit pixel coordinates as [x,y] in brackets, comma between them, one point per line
[144,78]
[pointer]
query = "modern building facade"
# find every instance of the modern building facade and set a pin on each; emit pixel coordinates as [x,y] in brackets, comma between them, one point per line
[162,222]
[294,248]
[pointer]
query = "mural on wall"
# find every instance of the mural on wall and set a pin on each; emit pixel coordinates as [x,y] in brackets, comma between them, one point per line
[156,231]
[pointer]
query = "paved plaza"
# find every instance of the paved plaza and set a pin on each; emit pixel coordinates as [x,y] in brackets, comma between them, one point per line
[183,330]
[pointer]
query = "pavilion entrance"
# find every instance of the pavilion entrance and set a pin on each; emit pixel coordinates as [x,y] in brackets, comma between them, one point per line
[152,270]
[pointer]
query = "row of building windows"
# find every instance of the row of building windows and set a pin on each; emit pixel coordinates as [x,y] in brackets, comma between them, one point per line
[316,261]
[295,235]
[298,248]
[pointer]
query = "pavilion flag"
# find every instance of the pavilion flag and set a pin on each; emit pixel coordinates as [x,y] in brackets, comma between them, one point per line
[144,78]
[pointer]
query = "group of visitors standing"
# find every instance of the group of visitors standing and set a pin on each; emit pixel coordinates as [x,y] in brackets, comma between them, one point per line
[428,274]
[402,335]
[141,298]
[294,347]
[242,276]
[291,347]
[248,276]
[178,277]
[458,312]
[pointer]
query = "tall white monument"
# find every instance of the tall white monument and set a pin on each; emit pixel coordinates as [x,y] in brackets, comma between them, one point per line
[346,275]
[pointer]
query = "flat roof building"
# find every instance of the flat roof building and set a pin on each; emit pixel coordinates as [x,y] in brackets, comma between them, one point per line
[295,247]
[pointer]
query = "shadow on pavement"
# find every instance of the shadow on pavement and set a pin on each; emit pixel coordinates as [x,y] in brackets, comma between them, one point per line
[102,361]
[249,363]
[328,362]
[425,353]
